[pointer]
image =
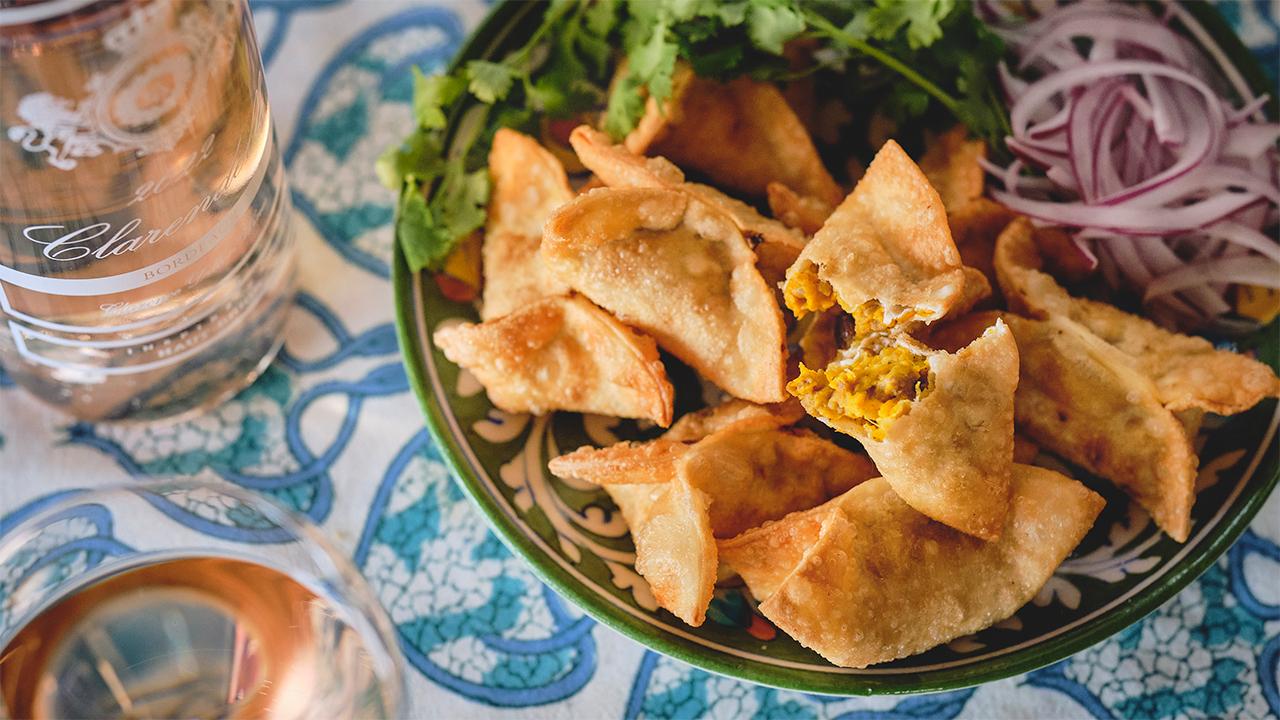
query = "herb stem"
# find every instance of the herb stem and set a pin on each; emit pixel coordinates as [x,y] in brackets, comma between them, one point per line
[835,33]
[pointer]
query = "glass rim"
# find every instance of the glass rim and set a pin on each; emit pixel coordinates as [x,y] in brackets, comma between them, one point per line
[355,597]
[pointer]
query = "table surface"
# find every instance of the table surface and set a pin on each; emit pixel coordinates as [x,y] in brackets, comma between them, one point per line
[332,430]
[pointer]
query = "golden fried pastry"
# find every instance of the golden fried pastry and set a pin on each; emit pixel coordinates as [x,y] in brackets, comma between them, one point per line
[675,552]
[803,212]
[1188,372]
[752,470]
[529,183]
[885,256]
[679,270]
[742,134]
[1085,400]
[883,581]
[747,472]
[563,353]
[939,426]
[776,246]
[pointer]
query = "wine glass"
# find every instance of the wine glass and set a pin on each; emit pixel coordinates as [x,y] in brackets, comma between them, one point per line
[109,607]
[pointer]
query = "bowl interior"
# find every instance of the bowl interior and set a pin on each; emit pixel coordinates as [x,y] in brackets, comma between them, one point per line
[572,535]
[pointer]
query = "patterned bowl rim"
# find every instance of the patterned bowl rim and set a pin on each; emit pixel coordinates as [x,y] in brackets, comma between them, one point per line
[411,331]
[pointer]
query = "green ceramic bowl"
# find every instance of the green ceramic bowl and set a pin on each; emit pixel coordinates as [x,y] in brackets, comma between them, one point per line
[574,539]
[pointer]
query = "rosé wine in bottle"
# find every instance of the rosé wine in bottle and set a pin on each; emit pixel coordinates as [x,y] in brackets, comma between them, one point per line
[146,265]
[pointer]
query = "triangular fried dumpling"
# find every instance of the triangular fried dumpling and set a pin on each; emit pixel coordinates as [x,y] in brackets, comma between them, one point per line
[939,426]
[529,183]
[752,470]
[776,246]
[677,497]
[675,552]
[742,134]
[679,270]
[1188,372]
[563,353]
[883,581]
[885,255]
[1088,402]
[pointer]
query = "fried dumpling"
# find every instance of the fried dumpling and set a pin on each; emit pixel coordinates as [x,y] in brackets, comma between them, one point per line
[1188,372]
[752,470]
[883,581]
[742,134]
[1084,400]
[885,256]
[563,353]
[529,183]
[776,245]
[675,552]
[938,425]
[679,270]
[678,496]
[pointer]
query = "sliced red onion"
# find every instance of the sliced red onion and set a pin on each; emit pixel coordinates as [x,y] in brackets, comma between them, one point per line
[1246,270]
[1100,25]
[1169,183]
[1245,237]
[1251,141]
[1129,220]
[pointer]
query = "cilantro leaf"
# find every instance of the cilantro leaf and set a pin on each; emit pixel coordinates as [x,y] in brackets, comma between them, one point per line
[772,25]
[418,158]
[921,18]
[913,60]
[489,81]
[626,105]
[425,243]
[654,61]
[431,94]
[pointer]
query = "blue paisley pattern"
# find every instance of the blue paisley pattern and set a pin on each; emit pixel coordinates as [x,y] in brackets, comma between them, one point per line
[330,430]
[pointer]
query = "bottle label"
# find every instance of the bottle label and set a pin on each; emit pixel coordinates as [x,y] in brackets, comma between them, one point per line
[154,341]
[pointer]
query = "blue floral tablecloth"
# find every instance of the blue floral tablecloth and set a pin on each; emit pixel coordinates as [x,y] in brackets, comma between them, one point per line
[332,430]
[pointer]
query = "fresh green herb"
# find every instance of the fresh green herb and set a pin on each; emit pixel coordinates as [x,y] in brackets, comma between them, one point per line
[907,59]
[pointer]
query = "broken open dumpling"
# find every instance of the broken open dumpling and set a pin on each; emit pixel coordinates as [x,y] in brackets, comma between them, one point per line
[529,183]
[742,134]
[938,425]
[886,255]
[680,270]
[563,353]
[881,581]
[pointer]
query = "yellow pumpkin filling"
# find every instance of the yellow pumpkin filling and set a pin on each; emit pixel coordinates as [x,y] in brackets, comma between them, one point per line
[805,292]
[872,389]
[869,318]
